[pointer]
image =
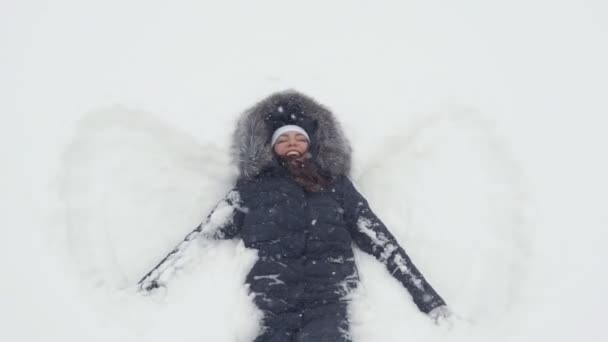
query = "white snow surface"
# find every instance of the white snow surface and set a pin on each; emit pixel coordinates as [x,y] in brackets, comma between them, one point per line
[478,139]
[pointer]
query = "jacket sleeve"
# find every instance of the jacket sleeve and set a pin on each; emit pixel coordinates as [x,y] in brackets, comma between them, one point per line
[223,222]
[372,236]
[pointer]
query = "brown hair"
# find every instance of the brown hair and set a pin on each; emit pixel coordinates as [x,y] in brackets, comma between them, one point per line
[306,173]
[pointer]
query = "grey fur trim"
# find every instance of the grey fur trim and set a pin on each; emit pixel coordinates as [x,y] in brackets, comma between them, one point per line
[251,150]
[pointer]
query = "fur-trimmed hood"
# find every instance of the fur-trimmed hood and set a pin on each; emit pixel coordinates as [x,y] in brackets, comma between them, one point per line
[251,150]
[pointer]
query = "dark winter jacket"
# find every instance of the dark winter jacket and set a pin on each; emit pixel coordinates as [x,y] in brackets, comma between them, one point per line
[304,239]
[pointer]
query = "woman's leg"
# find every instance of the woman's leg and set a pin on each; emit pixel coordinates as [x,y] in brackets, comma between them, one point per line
[326,323]
[279,327]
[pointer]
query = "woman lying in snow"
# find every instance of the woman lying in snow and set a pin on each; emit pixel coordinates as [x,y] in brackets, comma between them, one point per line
[295,205]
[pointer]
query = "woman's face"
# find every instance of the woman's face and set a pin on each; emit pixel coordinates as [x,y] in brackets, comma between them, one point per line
[291,144]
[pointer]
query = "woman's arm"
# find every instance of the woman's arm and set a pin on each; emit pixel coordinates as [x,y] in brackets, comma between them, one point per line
[372,236]
[223,222]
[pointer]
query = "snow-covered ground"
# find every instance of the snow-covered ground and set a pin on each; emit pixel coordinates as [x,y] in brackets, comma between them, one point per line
[477,128]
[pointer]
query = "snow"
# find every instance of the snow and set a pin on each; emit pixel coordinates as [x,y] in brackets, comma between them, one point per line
[274,277]
[478,131]
[187,251]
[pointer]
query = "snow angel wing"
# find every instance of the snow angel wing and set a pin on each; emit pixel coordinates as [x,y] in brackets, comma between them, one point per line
[132,185]
[454,196]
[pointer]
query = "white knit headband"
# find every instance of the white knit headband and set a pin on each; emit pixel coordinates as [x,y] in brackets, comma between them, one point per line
[288,128]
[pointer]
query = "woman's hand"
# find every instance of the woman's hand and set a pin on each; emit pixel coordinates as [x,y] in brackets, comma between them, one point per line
[441,316]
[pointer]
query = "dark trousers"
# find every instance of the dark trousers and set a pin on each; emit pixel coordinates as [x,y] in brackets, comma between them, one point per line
[323,323]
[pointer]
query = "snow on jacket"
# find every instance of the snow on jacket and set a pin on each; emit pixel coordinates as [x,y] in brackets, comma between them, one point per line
[304,239]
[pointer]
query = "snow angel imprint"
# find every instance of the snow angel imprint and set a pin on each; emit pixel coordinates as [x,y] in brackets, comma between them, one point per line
[295,205]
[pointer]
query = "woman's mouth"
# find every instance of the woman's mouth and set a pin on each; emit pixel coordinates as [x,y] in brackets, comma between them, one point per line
[292,153]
